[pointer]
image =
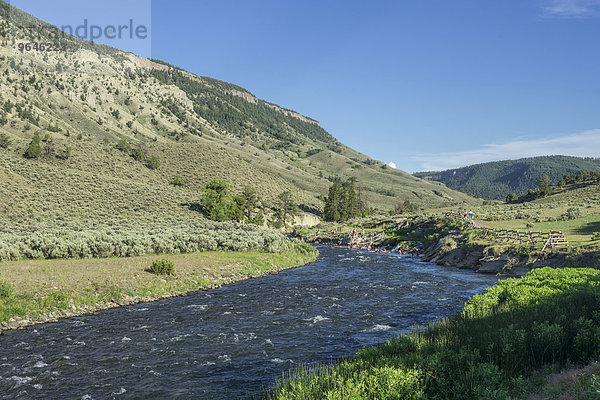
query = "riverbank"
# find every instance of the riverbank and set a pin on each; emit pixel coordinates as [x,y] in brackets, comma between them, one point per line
[456,243]
[40,291]
[446,240]
[495,349]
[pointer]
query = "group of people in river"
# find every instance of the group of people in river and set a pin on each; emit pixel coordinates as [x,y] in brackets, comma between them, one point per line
[400,250]
[356,239]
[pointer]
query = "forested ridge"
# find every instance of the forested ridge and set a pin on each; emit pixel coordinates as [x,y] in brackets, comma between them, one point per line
[495,180]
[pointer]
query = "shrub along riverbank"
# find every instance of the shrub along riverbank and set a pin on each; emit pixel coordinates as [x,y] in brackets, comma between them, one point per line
[549,317]
[132,238]
[38,291]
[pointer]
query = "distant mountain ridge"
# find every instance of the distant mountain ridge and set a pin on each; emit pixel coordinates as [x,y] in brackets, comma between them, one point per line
[495,180]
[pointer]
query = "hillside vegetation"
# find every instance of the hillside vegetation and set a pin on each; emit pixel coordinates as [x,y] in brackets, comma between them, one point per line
[495,180]
[574,210]
[117,130]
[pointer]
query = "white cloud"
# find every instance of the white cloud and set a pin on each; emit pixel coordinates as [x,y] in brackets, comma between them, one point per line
[393,165]
[571,8]
[583,144]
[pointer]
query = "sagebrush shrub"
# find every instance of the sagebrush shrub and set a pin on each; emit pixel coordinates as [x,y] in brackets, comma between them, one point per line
[133,238]
[4,141]
[177,181]
[153,162]
[163,267]
[7,290]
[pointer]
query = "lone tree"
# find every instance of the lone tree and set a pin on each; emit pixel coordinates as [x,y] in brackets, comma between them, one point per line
[285,207]
[218,204]
[545,186]
[512,198]
[35,149]
[250,195]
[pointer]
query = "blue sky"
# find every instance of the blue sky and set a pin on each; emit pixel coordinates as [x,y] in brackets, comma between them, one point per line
[426,85]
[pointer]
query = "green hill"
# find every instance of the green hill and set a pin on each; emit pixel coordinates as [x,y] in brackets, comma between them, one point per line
[495,180]
[92,97]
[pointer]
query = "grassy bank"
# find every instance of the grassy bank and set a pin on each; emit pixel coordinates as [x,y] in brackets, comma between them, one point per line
[546,320]
[34,288]
[574,212]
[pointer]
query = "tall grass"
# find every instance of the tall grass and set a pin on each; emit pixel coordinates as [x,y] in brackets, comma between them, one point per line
[548,317]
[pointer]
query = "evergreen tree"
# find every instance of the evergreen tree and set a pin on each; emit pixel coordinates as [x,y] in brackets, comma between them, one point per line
[545,188]
[332,202]
[35,149]
[250,194]
[349,206]
[285,207]
[512,198]
[342,202]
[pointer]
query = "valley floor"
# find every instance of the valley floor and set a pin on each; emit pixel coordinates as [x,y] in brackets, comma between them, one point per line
[40,291]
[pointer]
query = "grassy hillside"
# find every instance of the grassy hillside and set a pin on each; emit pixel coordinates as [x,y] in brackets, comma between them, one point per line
[495,180]
[90,97]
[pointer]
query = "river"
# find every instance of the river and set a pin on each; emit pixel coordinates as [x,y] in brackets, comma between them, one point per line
[233,342]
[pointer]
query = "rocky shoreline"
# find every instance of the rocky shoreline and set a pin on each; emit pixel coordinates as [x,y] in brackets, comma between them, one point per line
[447,251]
[450,251]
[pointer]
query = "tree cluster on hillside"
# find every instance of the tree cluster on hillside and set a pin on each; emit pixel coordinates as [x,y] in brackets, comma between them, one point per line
[220,205]
[139,153]
[222,104]
[583,177]
[35,150]
[404,206]
[341,204]
[496,180]
[546,188]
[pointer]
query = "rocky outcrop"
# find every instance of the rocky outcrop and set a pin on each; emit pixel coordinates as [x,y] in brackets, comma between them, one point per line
[451,251]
